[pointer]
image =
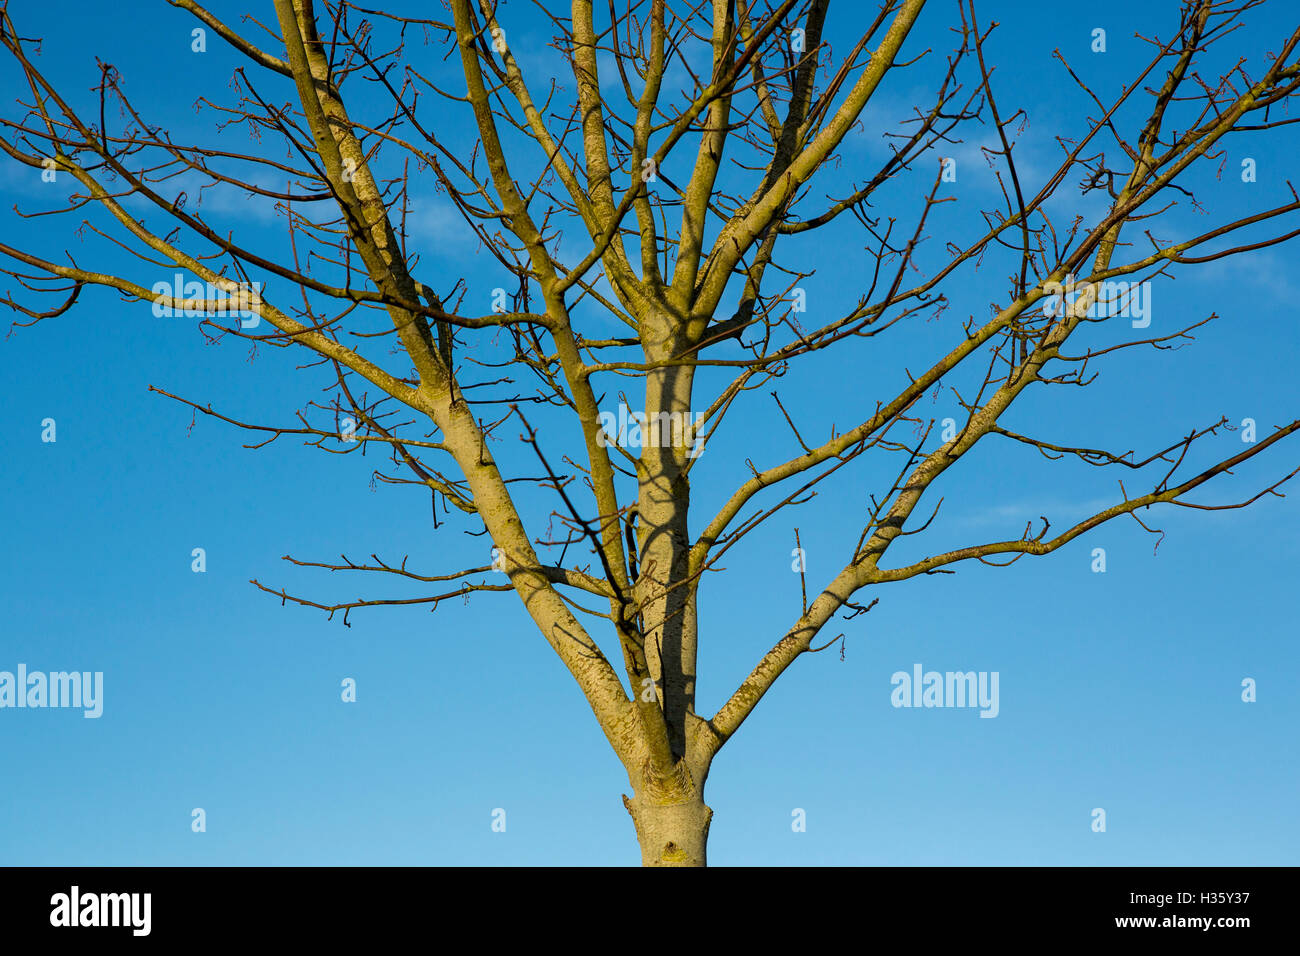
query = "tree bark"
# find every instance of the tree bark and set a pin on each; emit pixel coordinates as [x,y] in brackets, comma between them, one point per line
[672,826]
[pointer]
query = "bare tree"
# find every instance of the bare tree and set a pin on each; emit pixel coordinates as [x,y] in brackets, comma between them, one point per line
[656,181]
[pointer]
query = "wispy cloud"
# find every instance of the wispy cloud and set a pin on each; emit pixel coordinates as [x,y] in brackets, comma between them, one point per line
[1013,515]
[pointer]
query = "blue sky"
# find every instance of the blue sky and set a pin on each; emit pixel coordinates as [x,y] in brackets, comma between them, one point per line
[1119,690]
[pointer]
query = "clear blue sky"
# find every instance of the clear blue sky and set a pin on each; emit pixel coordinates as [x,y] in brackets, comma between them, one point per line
[1118,690]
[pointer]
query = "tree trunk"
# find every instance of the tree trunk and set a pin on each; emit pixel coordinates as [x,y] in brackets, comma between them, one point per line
[672,832]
